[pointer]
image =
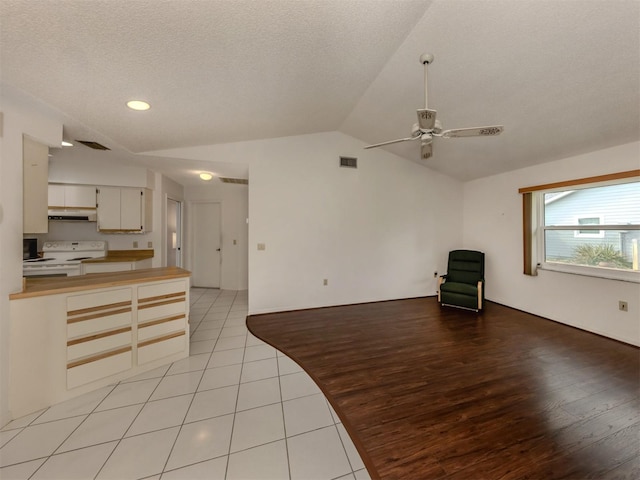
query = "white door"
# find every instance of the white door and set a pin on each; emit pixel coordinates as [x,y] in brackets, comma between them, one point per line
[174,233]
[206,257]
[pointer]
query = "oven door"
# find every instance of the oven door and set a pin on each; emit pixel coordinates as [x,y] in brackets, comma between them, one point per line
[43,270]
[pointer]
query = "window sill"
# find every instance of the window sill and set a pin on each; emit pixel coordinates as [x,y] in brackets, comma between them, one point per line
[600,272]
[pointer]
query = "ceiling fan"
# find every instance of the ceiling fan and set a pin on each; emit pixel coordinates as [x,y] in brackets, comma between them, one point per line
[428,127]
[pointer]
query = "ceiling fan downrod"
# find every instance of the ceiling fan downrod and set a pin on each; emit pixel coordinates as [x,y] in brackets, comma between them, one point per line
[426,59]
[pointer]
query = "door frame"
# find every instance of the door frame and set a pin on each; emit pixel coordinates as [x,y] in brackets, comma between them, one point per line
[179,230]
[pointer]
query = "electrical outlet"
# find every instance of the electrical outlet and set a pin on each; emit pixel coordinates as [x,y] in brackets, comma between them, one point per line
[235,241]
[149,244]
[325,282]
[262,246]
[623,306]
[135,244]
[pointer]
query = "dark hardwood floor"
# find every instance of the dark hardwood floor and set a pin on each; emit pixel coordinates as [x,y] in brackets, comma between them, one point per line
[427,392]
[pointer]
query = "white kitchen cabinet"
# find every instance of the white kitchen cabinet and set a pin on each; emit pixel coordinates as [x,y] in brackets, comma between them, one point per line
[35,177]
[124,209]
[161,320]
[99,335]
[71,196]
[68,343]
[56,195]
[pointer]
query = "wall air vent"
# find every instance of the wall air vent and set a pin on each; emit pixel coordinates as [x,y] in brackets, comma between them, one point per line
[349,162]
[94,145]
[237,181]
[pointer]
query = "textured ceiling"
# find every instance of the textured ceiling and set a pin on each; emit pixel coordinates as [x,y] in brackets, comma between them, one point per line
[562,76]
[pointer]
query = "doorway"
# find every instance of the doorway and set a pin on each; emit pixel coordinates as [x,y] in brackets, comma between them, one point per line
[174,233]
[206,257]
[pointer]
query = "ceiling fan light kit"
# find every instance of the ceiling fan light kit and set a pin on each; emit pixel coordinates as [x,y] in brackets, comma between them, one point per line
[428,126]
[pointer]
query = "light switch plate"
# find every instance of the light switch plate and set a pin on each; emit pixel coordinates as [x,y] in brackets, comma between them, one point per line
[261,246]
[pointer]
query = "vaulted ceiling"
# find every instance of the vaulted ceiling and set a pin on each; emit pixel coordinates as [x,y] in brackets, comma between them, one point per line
[563,77]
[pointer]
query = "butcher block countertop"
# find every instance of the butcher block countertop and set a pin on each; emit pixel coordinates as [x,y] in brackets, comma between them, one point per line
[122,256]
[40,286]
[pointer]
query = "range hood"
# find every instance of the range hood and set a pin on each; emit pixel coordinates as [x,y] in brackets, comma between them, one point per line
[73,214]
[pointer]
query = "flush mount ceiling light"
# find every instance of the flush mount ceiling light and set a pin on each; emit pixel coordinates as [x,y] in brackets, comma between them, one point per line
[206,176]
[138,105]
[67,144]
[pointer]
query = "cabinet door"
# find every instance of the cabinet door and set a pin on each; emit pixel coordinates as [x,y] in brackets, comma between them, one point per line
[56,195]
[131,209]
[79,196]
[109,208]
[35,164]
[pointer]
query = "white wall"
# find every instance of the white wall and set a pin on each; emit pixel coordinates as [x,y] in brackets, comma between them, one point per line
[21,116]
[493,224]
[375,233]
[234,210]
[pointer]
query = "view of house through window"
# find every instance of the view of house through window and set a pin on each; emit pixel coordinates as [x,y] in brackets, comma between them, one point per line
[591,226]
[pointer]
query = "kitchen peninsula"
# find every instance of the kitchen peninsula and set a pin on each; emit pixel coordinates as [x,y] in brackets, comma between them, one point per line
[71,335]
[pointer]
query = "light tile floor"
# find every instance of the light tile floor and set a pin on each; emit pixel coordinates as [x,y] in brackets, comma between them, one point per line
[235,409]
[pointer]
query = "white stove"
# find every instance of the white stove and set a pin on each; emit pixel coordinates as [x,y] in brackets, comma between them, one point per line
[63,258]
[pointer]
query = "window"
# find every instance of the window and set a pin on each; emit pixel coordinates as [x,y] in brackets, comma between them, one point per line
[589,233]
[589,226]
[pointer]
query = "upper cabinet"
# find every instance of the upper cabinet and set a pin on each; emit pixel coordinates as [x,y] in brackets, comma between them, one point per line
[35,177]
[72,196]
[124,210]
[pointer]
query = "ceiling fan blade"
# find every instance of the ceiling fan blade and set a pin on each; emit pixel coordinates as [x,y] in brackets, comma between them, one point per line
[392,141]
[426,119]
[426,151]
[473,132]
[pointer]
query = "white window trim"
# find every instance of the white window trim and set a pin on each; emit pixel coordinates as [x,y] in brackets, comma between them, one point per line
[599,272]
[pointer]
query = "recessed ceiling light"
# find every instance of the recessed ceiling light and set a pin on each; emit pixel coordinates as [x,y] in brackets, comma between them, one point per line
[67,144]
[206,176]
[138,105]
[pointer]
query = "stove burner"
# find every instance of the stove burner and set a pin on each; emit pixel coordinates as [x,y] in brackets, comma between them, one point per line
[78,258]
[39,260]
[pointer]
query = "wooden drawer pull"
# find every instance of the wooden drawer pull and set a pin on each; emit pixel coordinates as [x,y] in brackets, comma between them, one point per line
[161,297]
[161,320]
[158,304]
[96,336]
[97,315]
[101,356]
[160,339]
[98,308]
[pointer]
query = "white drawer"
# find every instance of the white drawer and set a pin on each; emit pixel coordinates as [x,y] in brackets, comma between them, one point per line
[96,344]
[159,289]
[99,368]
[152,311]
[78,327]
[152,350]
[159,328]
[100,299]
